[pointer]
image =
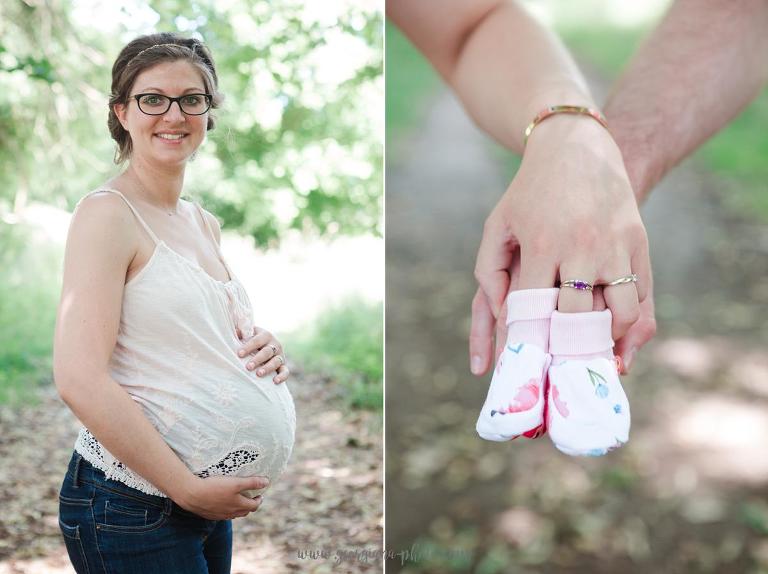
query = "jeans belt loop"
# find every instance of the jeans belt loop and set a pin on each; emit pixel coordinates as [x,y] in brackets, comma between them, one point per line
[75,473]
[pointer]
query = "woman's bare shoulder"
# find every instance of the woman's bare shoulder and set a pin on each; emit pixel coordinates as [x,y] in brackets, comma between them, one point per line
[104,221]
[103,198]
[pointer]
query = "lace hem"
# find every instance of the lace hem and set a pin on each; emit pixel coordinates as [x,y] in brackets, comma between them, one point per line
[87,445]
[92,451]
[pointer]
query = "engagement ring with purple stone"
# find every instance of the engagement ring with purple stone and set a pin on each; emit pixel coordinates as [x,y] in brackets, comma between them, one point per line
[577,284]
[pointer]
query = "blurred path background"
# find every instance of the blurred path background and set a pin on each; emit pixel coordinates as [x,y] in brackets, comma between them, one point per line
[689,492]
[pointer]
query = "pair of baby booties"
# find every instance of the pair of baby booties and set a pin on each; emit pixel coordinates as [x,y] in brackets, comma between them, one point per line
[557,374]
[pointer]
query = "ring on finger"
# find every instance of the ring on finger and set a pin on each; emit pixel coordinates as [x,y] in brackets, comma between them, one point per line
[631,278]
[282,361]
[578,284]
[274,349]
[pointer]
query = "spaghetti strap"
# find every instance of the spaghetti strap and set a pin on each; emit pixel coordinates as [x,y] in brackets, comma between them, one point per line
[213,238]
[135,211]
[205,222]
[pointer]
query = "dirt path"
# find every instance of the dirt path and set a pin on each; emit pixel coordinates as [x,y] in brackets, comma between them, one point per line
[687,494]
[329,498]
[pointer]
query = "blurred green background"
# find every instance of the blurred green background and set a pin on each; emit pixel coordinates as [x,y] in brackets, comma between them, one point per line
[297,152]
[689,492]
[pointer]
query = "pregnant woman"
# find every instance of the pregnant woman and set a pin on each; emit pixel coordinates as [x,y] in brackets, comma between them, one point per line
[186,415]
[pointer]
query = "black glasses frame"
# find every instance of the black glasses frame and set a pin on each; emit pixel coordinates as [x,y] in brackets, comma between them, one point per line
[208,100]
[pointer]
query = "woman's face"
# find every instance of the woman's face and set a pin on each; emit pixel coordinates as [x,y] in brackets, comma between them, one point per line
[170,79]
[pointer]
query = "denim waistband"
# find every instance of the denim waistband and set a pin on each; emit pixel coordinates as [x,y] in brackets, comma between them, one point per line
[81,471]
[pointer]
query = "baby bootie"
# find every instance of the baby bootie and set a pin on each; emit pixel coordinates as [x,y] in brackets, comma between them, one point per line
[587,410]
[515,402]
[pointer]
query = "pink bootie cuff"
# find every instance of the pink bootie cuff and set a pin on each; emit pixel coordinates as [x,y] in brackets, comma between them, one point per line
[580,333]
[527,304]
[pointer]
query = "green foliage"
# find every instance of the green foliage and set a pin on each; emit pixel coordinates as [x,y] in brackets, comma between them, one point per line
[34,68]
[737,154]
[347,341]
[497,560]
[27,311]
[619,478]
[755,515]
[297,144]
[52,83]
[608,49]
[454,553]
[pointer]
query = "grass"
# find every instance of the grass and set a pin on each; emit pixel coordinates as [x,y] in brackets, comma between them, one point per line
[347,342]
[410,79]
[738,155]
[30,268]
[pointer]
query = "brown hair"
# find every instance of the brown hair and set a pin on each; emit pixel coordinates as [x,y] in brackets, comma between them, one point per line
[141,54]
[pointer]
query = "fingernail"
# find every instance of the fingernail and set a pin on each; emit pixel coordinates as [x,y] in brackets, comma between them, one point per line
[241,352]
[260,372]
[251,365]
[477,364]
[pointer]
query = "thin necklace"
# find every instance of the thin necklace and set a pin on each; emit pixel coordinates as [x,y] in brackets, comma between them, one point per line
[144,191]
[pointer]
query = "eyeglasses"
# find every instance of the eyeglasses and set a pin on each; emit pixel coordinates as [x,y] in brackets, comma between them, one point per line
[158,104]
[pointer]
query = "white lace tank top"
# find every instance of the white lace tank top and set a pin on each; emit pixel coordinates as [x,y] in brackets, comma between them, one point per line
[176,356]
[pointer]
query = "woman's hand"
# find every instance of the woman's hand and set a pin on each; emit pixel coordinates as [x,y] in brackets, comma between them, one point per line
[267,355]
[220,497]
[569,213]
[481,348]
[642,331]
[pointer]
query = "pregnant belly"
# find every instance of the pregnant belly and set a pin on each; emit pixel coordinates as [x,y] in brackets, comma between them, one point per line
[235,428]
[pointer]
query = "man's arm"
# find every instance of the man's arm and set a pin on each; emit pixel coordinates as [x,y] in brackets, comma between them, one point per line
[697,70]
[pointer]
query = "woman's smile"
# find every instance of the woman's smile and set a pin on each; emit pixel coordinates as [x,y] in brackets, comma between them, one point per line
[171,138]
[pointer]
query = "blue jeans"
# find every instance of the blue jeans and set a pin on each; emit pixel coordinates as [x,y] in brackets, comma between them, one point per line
[111,528]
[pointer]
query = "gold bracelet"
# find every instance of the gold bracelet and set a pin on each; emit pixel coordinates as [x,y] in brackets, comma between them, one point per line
[552,110]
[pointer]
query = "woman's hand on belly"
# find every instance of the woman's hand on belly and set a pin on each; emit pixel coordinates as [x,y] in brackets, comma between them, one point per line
[267,354]
[220,498]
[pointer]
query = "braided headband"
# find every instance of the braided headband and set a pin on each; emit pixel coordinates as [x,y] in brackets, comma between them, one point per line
[152,47]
